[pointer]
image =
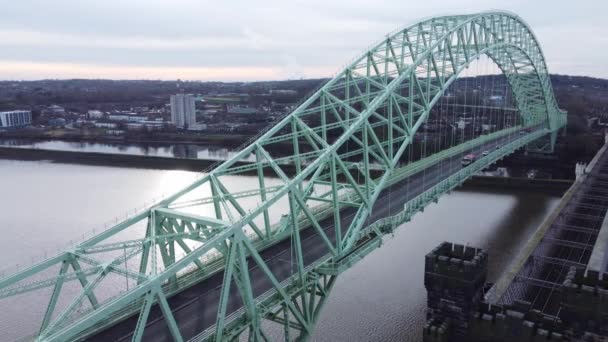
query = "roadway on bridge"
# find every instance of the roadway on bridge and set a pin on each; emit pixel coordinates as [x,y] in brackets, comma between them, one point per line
[195,308]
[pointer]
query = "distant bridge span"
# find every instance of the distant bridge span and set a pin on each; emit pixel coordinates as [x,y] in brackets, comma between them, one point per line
[214,262]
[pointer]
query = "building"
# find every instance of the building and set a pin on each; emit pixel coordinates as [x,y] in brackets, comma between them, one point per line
[106,125]
[56,110]
[287,92]
[15,118]
[145,125]
[129,118]
[183,112]
[153,125]
[197,127]
[242,110]
[94,114]
[135,126]
[462,123]
[57,122]
[496,100]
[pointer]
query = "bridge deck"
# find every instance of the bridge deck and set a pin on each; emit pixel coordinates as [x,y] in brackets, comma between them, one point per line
[195,308]
[566,239]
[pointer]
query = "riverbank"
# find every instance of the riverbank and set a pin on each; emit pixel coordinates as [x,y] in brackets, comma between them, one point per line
[227,140]
[549,186]
[106,159]
[125,160]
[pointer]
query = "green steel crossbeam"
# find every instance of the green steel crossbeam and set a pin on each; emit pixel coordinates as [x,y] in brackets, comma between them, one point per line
[359,124]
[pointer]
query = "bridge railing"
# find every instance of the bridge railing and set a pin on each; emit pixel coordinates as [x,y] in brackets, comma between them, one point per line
[433,193]
[420,165]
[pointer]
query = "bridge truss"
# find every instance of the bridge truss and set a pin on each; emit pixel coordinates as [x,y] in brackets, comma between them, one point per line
[334,154]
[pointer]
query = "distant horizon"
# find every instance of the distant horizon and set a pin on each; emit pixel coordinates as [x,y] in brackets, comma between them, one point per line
[233,81]
[160,80]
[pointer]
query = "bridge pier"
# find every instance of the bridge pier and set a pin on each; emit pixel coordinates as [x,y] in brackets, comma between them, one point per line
[454,279]
[585,302]
[517,322]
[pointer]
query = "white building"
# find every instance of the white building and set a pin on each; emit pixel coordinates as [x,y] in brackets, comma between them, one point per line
[289,92]
[462,123]
[57,110]
[106,125]
[153,125]
[129,118]
[197,127]
[15,118]
[147,125]
[183,112]
[94,114]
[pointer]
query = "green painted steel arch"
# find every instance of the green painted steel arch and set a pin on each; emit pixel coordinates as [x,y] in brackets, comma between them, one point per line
[359,122]
[454,41]
[406,73]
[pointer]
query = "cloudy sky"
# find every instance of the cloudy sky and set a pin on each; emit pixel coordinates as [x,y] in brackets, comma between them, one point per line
[257,40]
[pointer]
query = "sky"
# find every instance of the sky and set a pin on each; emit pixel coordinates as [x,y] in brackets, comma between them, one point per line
[239,40]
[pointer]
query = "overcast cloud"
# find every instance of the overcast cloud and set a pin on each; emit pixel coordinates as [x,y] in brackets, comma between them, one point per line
[257,40]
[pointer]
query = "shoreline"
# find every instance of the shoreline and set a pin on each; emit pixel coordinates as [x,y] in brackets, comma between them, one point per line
[124,160]
[552,186]
[224,140]
[106,159]
[549,186]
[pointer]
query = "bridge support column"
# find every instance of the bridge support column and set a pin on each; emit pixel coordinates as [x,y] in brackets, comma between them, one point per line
[585,302]
[454,279]
[515,322]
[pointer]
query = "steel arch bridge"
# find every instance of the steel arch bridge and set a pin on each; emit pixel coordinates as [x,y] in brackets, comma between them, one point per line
[320,203]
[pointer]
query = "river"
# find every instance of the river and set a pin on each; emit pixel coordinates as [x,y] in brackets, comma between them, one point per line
[382,298]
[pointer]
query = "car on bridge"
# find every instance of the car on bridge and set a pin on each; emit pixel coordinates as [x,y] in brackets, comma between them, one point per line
[485,153]
[468,159]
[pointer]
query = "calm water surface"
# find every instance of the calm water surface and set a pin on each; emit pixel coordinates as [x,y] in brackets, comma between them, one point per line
[382,298]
